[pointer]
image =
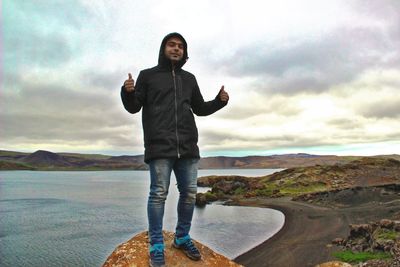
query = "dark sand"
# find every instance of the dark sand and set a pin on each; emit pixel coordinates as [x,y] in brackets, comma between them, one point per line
[305,239]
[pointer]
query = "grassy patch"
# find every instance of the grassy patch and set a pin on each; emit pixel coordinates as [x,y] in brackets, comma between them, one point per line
[354,257]
[267,191]
[301,189]
[388,234]
[290,188]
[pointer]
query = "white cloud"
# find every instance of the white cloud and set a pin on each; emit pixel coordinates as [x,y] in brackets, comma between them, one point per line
[301,75]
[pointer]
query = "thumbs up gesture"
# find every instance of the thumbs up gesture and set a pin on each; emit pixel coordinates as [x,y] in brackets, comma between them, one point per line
[129,84]
[223,96]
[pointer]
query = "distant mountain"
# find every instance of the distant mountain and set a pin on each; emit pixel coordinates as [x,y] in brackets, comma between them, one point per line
[42,158]
[46,160]
[274,161]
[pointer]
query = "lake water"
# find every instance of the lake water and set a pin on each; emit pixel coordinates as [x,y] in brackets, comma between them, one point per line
[78,218]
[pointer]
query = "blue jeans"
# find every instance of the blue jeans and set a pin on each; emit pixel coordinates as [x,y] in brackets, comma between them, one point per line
[186,177]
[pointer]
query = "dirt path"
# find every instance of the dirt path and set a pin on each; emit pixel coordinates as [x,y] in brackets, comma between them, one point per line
[307,233]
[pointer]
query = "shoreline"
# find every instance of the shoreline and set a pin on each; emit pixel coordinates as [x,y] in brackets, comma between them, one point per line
[305,238]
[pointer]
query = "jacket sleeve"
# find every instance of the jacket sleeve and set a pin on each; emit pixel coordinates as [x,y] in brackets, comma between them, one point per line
[202,108]
[133,101]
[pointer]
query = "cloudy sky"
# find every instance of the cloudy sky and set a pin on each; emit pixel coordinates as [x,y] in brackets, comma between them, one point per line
[318,77]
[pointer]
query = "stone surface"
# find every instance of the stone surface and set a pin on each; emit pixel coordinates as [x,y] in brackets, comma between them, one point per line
[334,264]
[134,253]
[385,223]
[201,200]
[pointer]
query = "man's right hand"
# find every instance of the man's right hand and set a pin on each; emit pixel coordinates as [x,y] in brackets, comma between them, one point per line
[129,84]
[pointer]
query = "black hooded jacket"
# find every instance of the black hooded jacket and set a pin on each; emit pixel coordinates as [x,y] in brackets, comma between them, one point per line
[169,98]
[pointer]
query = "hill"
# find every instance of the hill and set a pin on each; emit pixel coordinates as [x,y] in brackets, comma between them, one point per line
[46,160]
[272,162]
[5,165]
[43,158]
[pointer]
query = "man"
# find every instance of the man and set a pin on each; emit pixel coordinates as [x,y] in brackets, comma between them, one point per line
[169,96]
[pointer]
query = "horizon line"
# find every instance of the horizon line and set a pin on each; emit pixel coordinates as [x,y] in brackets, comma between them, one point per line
[209,156]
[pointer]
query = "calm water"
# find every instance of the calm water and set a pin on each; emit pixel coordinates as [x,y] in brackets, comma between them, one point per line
[78,218]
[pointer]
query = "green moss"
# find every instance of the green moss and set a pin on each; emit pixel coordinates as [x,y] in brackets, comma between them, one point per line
[300,189]
[290,188]
[354,257]
[239,191]
[265,192]
[388,234]
[210,196]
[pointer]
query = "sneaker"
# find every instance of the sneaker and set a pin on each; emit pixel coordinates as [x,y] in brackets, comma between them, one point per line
[157,255]
[187,246]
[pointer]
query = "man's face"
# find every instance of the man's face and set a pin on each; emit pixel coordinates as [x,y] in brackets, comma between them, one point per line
[174,49]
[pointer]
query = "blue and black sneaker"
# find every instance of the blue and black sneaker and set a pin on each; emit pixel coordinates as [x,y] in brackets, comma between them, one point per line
[186,245]
[157,255]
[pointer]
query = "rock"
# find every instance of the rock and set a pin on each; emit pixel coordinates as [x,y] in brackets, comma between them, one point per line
[222,186]
[374,237]
[396,253]
[134,253]
[338,241]
[385,223]
[360,230]
[383,244]
[201,200]
[237,185]
[396,226]
[228,187]
[333,264]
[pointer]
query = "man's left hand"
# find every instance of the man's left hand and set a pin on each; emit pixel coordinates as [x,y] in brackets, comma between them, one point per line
[223,96]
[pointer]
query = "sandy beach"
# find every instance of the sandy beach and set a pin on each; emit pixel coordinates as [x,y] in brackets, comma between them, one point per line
[305,239]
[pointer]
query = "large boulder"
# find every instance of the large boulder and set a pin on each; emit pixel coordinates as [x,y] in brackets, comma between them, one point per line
[134,253]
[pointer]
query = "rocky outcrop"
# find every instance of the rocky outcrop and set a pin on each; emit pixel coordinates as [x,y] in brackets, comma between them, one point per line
[134,253]
[229,184]
[341,184]
[206,198]
[382,236]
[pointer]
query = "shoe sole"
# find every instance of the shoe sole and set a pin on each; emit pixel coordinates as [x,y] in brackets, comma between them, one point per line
[151,265]
[186,253]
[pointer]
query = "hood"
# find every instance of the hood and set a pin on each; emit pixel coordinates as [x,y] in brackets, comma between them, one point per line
[165,62]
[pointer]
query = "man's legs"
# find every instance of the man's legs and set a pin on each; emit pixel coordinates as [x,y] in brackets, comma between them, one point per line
[160,173]
[186,176]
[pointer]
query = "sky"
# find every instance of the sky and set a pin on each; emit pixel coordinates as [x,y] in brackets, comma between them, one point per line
[318,77]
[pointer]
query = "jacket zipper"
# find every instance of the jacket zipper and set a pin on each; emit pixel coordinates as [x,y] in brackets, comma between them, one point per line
[176,115]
